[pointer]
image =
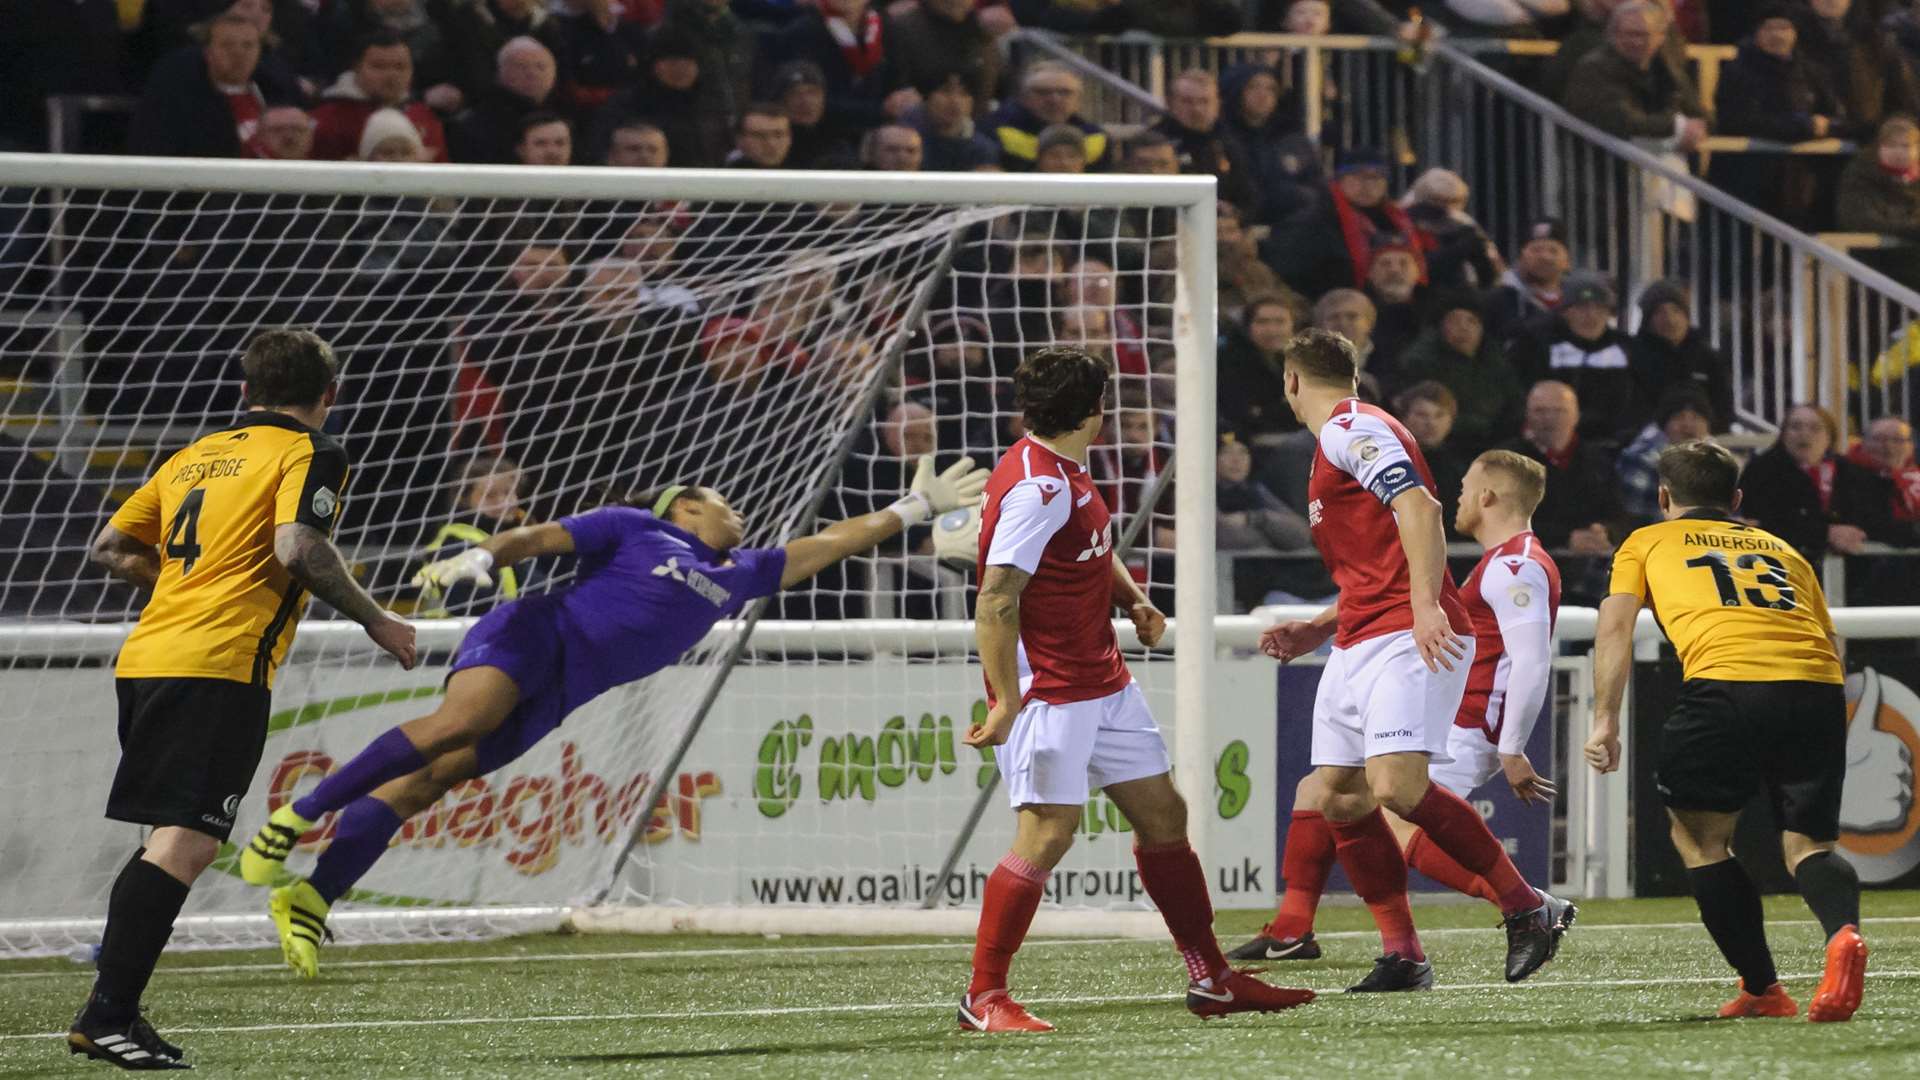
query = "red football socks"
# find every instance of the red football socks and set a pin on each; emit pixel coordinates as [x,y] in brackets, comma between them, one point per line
[1305,864]
[1006,911]
[1174,878]
[1460,831]
[1424,856]
[1371,857]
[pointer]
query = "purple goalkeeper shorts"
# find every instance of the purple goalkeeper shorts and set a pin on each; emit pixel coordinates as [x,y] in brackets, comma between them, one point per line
[523,639]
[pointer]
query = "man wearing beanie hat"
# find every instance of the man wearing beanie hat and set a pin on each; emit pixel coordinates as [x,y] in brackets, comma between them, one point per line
[1331,245]
[1531,286]
[1670,353]
[381,79]
[667,93]
[1456,351]
[1579,346]
[390,136]
[1683,415]
[800,87]
[1772,90]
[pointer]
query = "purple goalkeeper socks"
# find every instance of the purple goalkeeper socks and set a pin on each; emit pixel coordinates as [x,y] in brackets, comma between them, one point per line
[359,839]
[388,757]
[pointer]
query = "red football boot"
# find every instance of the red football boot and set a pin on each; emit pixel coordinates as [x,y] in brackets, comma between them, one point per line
[1774,1002]
[996,1010]
[1845,980]
[1239,991]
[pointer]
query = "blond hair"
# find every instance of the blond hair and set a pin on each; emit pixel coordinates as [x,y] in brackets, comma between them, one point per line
[1525,479]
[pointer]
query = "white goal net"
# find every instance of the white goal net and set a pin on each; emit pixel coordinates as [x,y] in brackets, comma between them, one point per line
[520,344]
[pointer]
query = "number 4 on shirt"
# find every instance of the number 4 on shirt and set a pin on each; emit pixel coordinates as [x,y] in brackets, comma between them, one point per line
[183,536]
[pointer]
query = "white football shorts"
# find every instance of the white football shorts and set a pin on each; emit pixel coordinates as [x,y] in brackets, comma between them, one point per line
[1057,754]
[1377,697]
[1475,761]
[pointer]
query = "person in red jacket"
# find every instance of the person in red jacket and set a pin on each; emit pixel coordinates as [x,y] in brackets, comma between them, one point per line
[381,78]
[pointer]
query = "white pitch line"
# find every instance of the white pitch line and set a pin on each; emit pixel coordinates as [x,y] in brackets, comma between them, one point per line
[760,950]
[285,1028]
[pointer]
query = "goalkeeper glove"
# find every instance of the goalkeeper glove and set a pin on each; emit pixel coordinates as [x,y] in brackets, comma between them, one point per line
[472,565]
[956,538]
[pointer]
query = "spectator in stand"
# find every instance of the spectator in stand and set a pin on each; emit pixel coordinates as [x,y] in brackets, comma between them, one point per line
[1530,289]
[1350,314]
[1627,89]
[1151,153]
[1589,35]
[801,89]
[1460,255]
[1862,62]
[1580,347]
[1683,415]
[891,148]
[1887,453]
[957,383]
[729,57]
[1771,91]
[945,122]
[1250,380]
[1331,244]
[847,39]
[1803,492]
[1049,95]
[638,144]
[476,29]
[666,93]
[1129,456]
[203,102]
[1164,18]
[545,139]
[488,498]
[651,246]
[381,78]
[435,64]
[485,133]
[390,136]
[1393,284]
[286,134]
[1263,117]
[764,140]
[1880,189]
[1201,141]
[1581,510]
[937,38]
[1240,272]
[1249,515]
[1429,410]
[1456,352]
[1061,148]
[597,54]
[1670,353]
[1090,283]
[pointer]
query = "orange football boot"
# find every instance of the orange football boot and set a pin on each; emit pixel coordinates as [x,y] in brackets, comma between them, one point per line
[1774,1002]
[996,1010]
[1845,979]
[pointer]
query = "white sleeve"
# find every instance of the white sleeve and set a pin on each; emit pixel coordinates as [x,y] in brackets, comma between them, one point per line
[1516,589]
[1030,513]
[1369,451]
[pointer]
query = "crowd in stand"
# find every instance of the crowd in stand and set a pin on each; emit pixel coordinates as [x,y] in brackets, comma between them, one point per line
[1471,346]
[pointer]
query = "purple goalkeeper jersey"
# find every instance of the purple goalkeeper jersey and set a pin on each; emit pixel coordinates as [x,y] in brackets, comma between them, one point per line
[647,591]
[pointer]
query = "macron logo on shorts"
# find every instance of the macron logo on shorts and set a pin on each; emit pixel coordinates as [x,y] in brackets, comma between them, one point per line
[1401,733]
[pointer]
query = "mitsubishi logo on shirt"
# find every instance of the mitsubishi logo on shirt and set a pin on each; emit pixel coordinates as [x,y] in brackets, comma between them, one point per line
[1098,544]
[695,580]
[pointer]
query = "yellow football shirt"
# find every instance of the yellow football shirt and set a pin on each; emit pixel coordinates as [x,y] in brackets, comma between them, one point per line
[224,607]
[1737,602]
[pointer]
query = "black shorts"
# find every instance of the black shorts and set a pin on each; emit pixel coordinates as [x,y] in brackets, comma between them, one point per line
[188,751]
[1725,740]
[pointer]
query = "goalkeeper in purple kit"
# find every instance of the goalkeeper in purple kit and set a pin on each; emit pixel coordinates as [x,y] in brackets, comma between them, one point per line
[655,575]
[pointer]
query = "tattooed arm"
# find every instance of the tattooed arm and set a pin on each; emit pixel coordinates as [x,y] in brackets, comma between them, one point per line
[320,569]
[997,635]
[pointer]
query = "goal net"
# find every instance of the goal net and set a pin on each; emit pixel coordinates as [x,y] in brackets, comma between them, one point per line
[521,344]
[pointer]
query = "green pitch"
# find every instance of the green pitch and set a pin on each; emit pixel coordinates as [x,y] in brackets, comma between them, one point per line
[1628,999]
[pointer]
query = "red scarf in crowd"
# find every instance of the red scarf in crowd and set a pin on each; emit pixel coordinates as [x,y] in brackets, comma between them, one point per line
[1906,176]
[863,53]
[1821,473]
[1906,483]
[1358,231]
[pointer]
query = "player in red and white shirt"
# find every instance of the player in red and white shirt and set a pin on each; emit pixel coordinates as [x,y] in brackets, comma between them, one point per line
[1062,706]
[1395,681]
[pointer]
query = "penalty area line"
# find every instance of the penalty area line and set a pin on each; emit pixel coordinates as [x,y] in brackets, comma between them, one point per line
[296,1027]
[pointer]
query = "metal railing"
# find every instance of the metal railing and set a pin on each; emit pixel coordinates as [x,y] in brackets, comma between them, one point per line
[1799,318]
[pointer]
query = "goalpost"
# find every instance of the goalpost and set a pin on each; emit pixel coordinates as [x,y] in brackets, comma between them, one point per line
[531,340]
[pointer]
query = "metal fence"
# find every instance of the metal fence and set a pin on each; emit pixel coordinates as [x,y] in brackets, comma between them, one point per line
[1801,318]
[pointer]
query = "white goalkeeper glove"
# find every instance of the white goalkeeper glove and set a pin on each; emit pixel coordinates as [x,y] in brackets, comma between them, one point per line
[956,538]
[472,565]
[930,494]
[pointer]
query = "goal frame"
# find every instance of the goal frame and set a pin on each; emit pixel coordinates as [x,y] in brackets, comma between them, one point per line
[1192,199]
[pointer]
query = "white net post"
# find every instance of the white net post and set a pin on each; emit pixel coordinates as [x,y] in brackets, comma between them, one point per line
[1195,331]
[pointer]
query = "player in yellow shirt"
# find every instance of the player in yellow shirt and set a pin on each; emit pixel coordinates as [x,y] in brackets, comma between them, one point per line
[231,535]
[1763,709]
